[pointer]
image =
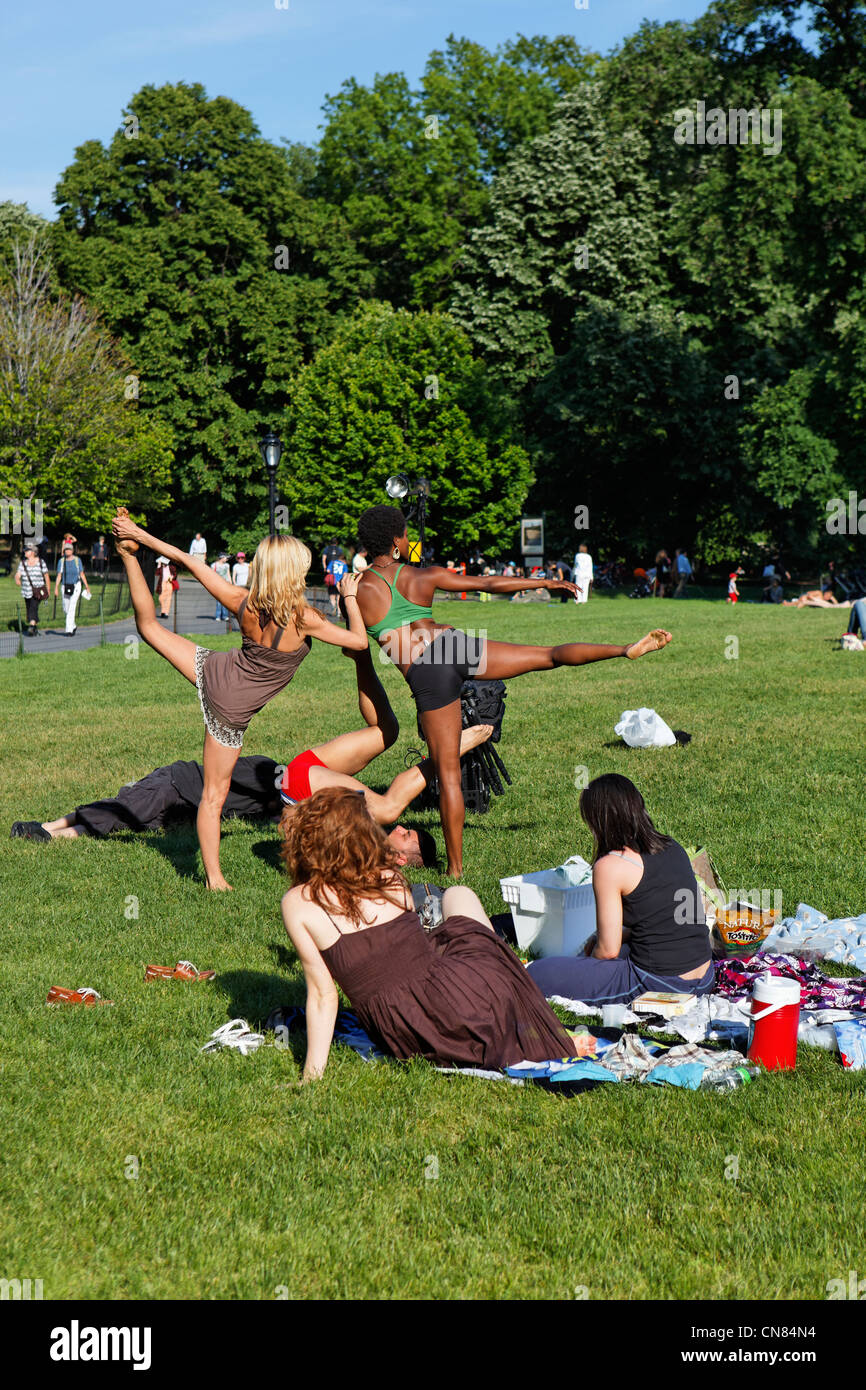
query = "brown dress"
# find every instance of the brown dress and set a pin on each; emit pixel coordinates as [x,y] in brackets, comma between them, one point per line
[457,996]
[236,684]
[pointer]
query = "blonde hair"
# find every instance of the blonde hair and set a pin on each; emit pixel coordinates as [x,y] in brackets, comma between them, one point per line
[278,581]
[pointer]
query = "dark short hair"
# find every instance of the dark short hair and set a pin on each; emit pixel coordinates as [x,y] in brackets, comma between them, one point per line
[615,812]
[427,846]
[378,527]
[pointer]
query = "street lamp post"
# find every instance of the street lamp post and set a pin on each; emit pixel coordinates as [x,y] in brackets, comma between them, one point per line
[400,486]
[272,448]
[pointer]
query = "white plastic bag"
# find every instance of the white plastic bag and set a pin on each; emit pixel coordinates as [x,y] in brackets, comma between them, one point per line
[643,728]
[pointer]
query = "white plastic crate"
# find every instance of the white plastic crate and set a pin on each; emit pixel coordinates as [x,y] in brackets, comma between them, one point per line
[552,917]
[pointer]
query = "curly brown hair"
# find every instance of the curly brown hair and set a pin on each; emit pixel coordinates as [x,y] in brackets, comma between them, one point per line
[331,844]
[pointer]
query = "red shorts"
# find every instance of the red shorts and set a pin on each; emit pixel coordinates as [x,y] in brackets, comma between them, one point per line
[295,785]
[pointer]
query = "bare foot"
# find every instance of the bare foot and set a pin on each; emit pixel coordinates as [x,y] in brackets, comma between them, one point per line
[123,531]
[475,734]
[219,885]
[653,642]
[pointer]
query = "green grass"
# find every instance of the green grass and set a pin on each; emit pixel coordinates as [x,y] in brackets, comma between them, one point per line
[247,1183]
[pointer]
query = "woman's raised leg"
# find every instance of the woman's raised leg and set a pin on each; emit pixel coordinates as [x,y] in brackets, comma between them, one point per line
[442,732]
[176,649]
[219,763]
[502,660]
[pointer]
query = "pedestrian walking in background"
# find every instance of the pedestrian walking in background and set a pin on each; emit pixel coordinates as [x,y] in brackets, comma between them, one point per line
[222,568]
[70,574]
[562,570]
[582,572]
[166,577]
[241,571]
[34,583]
[337,568]
[682,572]
[198,547]
[359,561]
[662,574]
[330,552]
[99,556]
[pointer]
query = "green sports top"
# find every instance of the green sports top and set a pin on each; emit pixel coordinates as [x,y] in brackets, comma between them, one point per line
[401,612]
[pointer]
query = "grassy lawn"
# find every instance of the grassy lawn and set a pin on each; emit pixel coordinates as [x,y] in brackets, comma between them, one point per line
[247,1184]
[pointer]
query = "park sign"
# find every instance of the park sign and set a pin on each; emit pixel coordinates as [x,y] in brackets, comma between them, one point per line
[532,535]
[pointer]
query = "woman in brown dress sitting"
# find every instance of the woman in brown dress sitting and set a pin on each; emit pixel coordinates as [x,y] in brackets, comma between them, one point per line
[457,995]
[276,628]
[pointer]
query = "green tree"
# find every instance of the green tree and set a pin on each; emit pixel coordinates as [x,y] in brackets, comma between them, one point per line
[573,225]
[411,169]
[632,423]
[401,392]
[71,434]
[189,234]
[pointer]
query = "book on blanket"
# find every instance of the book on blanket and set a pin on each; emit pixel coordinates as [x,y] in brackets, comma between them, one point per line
[666,1005]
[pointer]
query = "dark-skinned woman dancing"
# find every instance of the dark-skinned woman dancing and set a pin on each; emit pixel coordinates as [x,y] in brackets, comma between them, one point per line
[435,660]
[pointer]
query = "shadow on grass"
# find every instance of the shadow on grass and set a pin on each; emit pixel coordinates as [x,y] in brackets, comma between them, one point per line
[181,851]
[269,853]
[251,994]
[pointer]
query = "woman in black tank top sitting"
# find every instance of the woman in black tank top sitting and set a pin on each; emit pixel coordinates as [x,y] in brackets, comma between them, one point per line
[651,929]
[435,659]
[276,627]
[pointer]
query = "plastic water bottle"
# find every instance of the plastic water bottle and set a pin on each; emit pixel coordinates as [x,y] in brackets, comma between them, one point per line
[729,1078]
[818,1035]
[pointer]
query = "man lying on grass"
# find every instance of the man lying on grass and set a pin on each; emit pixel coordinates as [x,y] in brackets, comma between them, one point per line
[171,795]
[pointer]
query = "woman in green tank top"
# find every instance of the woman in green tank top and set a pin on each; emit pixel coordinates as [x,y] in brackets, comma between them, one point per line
[435,659]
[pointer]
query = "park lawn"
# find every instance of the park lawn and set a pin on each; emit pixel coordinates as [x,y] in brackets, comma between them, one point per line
[395,1181]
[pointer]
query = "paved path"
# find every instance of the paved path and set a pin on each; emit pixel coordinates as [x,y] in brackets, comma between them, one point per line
[195,613]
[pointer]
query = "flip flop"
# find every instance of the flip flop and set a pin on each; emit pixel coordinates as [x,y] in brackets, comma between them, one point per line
[85,995]
[236,1035]
[183,970]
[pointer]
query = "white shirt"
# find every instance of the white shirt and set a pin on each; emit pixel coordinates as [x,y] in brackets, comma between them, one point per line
[241,573]
[198,547]
[582,567]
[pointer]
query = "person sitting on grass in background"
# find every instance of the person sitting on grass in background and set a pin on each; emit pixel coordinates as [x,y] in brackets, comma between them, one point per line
[651,929]
[458,995]
[857,620]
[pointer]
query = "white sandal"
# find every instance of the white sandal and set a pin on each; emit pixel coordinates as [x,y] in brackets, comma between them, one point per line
[237,1035]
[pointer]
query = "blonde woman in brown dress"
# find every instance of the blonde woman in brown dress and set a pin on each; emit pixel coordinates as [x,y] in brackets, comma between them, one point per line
[276,631]
[457,995]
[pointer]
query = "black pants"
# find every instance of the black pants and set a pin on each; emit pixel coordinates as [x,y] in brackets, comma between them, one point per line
[145,805]
[32,606]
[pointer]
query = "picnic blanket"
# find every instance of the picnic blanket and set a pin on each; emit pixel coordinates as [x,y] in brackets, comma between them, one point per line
[627,1059]
[735,977]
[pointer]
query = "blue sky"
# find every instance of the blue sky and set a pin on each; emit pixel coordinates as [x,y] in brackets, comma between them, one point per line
[68,70]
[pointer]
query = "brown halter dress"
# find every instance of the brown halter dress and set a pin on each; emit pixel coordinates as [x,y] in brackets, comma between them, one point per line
[458,995]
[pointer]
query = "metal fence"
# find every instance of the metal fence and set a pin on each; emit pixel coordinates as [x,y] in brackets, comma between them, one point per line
[110,592]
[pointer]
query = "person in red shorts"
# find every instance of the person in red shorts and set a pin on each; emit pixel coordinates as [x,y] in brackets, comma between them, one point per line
[336,763]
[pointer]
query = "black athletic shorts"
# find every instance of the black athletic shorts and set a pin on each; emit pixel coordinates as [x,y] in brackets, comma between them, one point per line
[435,677]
